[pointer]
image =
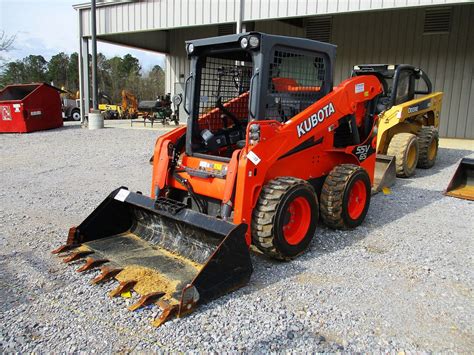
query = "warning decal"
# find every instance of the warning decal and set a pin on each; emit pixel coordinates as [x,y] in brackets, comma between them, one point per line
[359,88]
[5,113]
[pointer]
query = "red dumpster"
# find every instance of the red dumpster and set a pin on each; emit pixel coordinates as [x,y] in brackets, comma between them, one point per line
[30,107]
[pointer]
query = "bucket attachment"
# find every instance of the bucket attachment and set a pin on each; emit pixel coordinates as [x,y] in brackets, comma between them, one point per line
[385,172]
[170,255]
[462,182]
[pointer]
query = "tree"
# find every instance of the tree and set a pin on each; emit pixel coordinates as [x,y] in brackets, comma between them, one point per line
[73,72]
[152,83]
[114,74]
[117,79]
[130,65]
[58,70]
[117,74]
[6,44]
[13,73]
[157,76]
[35,68]
[103,73]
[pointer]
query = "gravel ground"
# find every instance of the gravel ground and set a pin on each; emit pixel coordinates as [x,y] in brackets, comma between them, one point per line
[401,281]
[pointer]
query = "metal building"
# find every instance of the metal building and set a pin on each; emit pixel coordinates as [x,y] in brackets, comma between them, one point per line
[436,35]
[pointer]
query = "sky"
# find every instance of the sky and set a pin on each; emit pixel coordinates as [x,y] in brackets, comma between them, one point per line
[47,27]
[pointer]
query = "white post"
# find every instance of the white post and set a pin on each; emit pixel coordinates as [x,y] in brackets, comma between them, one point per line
[86,97]
[81,73]
[240,14]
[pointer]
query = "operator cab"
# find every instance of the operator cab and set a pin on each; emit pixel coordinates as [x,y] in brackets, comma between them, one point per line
[240,78]
[401,82]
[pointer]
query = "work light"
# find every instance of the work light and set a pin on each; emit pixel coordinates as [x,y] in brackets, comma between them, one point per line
[254,41]
[244,42]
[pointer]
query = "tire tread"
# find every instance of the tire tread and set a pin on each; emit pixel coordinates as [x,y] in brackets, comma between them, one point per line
[397,147]
[425,137]
[332,195]
[264,213]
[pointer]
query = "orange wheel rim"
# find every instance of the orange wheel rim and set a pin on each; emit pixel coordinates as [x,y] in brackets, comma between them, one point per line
[432,150]
[357,199]
[299,212]
[411,156]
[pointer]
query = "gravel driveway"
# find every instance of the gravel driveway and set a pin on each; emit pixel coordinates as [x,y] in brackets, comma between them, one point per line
[402,281]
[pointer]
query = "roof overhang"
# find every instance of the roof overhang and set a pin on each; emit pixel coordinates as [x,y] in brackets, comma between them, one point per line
[156,41]
[101,3]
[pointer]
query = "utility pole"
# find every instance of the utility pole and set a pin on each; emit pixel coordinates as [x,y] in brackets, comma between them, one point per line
[95,91]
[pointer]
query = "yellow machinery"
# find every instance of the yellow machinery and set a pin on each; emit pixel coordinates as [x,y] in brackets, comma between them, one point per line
[408,117]
[128,109]
[129,105]
[462,182]
[109,110]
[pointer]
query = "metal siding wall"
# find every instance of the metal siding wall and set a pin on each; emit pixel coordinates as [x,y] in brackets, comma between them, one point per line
[362,37]
[271,9]
[447,59]
[166,14]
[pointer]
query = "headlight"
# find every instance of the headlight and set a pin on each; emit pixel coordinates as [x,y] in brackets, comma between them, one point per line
[190,48]
[356,67]
[254,41]
[391,67]
[244,42]
[254,128]
[254,134]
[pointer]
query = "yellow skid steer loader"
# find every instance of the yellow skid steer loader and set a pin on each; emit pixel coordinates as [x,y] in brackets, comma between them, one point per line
[409,114]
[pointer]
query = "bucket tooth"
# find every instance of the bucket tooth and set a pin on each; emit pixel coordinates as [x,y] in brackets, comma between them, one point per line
[124,286]
[166,314]
[106,273]
[64,248]
[77,255]
[91,263]
[160,245]
[147,299]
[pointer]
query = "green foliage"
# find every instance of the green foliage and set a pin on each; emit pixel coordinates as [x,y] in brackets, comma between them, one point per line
[13,72]
[114,74]
[73,72]
[35,68]
[58,69]
[152,84]
[61,70]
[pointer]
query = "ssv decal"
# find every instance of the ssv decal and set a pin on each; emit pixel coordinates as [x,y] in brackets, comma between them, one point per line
[308,124]
[362,152]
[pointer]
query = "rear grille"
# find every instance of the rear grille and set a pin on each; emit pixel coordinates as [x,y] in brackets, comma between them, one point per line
[437,21]
[319,28]
[226,29]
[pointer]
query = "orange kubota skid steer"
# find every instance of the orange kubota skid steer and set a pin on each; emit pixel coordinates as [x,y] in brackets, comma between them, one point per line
[270,147]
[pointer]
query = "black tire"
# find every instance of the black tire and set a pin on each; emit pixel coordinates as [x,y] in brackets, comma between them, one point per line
[271,215]
[428,141]
[108,115]
[336,196]
[404,147]
[76,114]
